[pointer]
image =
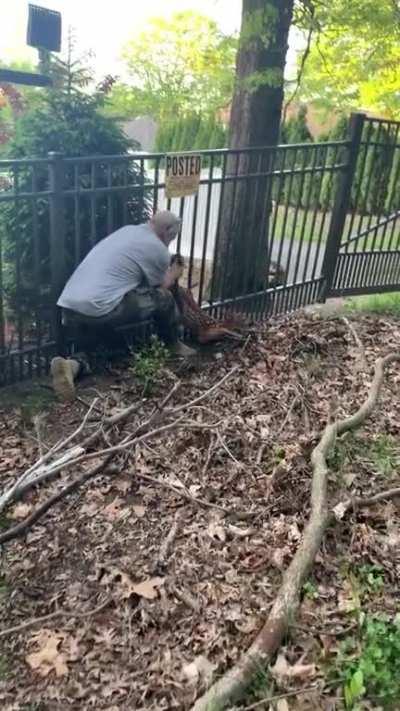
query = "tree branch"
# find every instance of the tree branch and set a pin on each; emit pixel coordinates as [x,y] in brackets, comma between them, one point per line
[53,616]
[231,686]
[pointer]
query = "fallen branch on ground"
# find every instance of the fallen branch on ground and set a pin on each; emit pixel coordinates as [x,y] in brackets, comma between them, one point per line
[182,491]
[130,441]
[22,527]
[232,685]
[361,350]
[28,477]
[45,469]
[53,616]
[360,503]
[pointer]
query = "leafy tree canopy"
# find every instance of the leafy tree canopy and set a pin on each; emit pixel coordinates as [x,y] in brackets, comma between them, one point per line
[182,64]
[354,55]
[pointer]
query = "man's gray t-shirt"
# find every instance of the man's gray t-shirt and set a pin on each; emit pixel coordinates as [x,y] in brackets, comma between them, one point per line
[130,258]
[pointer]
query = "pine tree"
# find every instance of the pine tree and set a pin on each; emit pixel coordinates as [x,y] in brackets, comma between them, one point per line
[68,120]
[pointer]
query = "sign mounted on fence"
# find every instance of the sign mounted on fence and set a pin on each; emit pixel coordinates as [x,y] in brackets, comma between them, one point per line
[182,175]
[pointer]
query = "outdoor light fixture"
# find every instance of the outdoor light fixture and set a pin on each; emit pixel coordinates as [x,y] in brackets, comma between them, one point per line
[44,33]
[44,29]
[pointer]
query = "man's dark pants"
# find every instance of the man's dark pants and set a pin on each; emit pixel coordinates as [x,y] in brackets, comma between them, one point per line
[137,306]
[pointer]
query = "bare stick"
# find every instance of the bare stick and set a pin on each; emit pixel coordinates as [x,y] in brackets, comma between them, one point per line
[167,543]
[193,499]
[20,528]
[288,695]
[358,341]
[8,495]
[358,503]
[37,423]
[53,616]
[232,685]
[58,466]
[206,394]
[186,598]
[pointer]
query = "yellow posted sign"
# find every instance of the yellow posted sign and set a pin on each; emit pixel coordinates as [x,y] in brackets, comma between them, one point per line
[182,176]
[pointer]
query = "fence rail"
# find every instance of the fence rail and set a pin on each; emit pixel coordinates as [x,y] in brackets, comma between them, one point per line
[284,225]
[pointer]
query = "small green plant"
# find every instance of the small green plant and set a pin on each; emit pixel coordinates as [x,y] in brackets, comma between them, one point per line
[368,665]
[261,686]
[384,454]
[343,453]
[149,361]
[310,590]
[371,578]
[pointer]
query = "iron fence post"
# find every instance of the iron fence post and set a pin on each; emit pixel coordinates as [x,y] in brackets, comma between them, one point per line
[57,243]
[341,205]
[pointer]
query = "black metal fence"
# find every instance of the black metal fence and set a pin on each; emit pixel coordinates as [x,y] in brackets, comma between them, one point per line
[328,224]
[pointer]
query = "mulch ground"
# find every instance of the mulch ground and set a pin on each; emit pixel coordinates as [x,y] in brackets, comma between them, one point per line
[182,588]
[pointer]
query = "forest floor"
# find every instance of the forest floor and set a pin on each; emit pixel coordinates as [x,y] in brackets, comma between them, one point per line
[159,584]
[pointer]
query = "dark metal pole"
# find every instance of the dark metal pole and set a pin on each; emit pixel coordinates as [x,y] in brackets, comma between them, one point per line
[341,205]
[57,243]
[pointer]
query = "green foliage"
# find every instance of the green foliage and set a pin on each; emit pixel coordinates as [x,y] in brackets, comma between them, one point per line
[354,56]
[13,101]
[191,132]
[310,590]
[371,578]
[70,120]
[176,66]
[149,362]
[300,189]
[378,303]
[375,185]
[368,665]
[382,454]
[296,130]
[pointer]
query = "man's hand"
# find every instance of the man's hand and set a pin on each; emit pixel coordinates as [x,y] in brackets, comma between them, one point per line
[174,272]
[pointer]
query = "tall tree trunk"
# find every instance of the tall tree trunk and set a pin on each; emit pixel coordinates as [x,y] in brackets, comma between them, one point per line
[242,237]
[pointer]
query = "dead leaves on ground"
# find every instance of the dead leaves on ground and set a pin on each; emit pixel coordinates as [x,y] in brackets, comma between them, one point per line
[170,630]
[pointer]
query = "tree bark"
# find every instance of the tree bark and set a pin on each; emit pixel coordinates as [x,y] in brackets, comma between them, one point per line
[242,242]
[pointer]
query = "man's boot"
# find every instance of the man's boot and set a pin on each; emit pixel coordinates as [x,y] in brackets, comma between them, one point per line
[63,372]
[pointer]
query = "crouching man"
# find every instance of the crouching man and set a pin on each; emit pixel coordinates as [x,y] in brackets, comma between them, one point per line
[124,279]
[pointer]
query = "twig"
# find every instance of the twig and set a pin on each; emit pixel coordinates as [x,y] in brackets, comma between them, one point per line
[193,499]
[86,404]
[167,543]
[53,616]
[302,64]
[186,598]
[232,685]
[289,412]
[20,528]
[359,502]
[260,453]
[10,494]
[360,345]
[210,453]
[207,393]
[36,422]
[287,695]
[228,451]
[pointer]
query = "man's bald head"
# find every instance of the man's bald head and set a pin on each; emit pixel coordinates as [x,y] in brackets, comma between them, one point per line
[166,225]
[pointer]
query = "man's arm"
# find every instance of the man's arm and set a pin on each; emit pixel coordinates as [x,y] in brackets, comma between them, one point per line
[173,273]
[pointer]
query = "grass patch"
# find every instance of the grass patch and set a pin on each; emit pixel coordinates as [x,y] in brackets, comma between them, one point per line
[376,303]
[382,454]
